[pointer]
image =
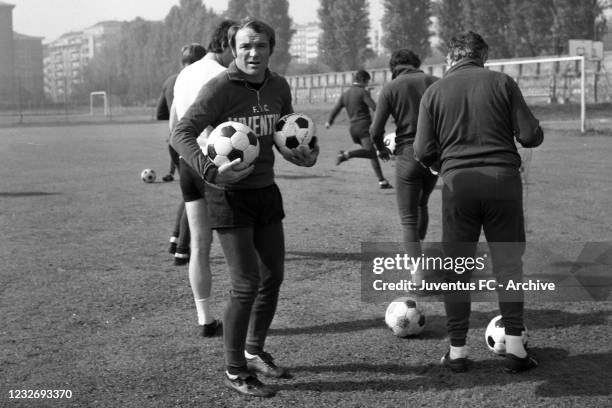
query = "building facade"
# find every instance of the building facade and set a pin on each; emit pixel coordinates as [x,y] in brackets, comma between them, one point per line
[7,64]
[28,69]
[304,46]
[66,58]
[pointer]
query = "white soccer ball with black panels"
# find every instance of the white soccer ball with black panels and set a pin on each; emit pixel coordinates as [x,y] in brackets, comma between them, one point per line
[495,336]
[230,141]
[405,317]
[389,141]
[148,176]
[294,130]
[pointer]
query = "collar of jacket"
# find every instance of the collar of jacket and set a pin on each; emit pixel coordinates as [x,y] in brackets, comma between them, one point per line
[234,74]
[403,70]
[465,63]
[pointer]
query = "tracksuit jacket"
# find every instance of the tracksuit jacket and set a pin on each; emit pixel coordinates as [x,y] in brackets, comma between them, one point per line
[229,97]
[400,98]
[471,117]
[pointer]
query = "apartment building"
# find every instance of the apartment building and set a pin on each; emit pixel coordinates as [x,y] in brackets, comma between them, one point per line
[66,58]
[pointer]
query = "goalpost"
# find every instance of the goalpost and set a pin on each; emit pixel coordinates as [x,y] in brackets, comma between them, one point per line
[537,61]
[91,102]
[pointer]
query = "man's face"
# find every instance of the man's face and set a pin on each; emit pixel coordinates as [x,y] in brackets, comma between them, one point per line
[252,54]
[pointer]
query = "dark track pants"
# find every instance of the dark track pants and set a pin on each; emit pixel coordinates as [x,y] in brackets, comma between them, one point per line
[489,198]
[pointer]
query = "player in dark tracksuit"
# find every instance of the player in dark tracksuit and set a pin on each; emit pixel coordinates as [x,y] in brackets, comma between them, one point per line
[358,102]
[162,112]
[245,206]
[469,120]
[180,236]
[400,99]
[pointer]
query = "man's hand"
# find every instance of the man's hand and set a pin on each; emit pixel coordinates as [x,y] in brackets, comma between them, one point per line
[384,154]
[327,125]
[303,156]
[226,174]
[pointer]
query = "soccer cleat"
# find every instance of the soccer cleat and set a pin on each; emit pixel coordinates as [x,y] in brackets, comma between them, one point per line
[172,248]
[168,177]
[248,384]
[213,329]
[263,363]
[341,157]
[516,364]
[181,259]
[384,185]
[457,365]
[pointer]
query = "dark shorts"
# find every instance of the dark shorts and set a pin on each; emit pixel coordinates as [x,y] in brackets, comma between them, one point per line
[192,186]
[244,208]
[359,130]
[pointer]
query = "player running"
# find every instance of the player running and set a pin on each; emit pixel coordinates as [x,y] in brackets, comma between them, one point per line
[358,102]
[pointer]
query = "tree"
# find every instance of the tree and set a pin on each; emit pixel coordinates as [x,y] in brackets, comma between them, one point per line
[520,28]
[450,21]
[276,14]
[406,25]
[344,42]
[490,19]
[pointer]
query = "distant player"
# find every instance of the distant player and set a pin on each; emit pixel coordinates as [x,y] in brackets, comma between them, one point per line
[180,236]
[188,85]
[189,54]
[400,99]
[358,102]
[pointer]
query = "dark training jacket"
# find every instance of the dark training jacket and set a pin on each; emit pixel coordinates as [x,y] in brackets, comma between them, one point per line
[355,100]
[164,102]
[471,117]
[229,97]
[400,98]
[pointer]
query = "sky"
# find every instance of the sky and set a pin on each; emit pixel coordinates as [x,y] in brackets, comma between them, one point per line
[52,18]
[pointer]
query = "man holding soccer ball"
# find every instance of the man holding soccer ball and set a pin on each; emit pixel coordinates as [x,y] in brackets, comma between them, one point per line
[245,206]
[469,121]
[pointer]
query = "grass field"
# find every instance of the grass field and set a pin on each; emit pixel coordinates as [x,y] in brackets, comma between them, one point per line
[90,300]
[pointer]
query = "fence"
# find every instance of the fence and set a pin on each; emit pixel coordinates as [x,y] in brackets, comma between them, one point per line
[541,82]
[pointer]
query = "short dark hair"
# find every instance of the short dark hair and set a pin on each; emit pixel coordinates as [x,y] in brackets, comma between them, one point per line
[219,40]
[404,57]
[362,76]
[191,53]
[256,25]
[468,44]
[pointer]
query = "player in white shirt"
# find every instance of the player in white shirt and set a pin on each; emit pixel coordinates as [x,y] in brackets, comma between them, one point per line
[186,89]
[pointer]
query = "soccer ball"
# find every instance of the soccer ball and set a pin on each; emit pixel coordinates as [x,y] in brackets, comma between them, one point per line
[495,336]
[148,176]
[389,141]
[294,130]
[404,317]
[230,141]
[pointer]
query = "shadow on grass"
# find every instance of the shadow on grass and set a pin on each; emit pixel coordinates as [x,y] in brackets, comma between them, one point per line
[337,327]
[26,194]
[299,176]
[542,319]
[328,256]
[559,375]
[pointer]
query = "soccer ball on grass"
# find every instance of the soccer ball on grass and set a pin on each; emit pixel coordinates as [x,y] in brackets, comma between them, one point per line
[404,317]
[294,130]
[495,336]
[148,176]
[230,141]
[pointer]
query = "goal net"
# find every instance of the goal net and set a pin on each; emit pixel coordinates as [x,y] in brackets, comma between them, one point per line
[549,80]
[94,96]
